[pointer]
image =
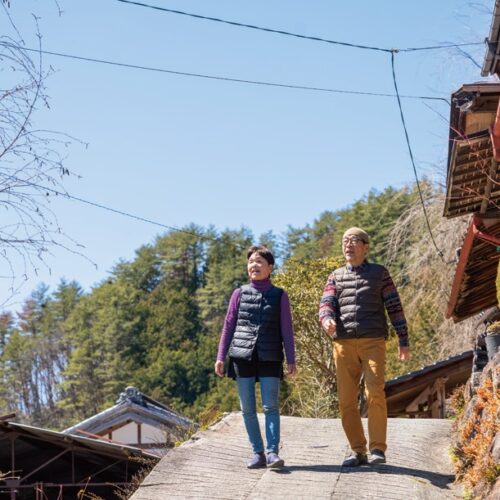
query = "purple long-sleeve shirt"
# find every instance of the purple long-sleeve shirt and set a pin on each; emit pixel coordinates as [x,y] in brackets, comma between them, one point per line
[232,315]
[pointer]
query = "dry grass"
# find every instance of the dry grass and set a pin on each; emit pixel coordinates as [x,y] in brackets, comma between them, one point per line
[125,492]
[476,430]
[311,396]
[426,278]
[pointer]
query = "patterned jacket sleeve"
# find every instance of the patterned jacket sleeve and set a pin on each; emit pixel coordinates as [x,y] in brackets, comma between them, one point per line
[328,302]
[394,309]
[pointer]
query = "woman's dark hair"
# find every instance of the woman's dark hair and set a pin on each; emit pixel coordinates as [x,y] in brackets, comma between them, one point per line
[263,251]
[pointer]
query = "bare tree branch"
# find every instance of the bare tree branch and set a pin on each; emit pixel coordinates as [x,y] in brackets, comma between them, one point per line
[31,163]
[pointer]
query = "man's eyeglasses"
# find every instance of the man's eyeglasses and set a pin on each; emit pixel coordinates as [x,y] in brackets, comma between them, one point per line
[353,239]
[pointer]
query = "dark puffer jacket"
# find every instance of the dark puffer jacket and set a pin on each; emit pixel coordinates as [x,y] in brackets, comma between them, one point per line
[258,325]
[361,310]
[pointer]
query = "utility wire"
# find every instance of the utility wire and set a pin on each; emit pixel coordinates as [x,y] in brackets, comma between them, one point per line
[254,27]
[440,253]
[443,46]
[110,209]
[296,35]
[225,78]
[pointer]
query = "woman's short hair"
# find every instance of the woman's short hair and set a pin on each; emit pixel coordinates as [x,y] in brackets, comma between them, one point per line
[263,251]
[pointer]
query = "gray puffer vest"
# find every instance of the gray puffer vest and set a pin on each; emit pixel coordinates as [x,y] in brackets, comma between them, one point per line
[361,310]
[258,325]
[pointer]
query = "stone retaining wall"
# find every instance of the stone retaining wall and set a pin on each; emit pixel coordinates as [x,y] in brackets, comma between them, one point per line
[476,442]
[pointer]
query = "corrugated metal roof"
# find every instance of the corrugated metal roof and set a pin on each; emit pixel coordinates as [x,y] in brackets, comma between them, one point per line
[40,462]
[60,438]
[401,391]
[391,385]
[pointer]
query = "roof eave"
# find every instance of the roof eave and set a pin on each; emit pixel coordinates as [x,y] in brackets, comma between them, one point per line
[124,410]
[492,45]
[100,447]
[459,272]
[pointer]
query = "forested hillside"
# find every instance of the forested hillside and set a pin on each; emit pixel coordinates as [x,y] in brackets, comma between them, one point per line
[154,322]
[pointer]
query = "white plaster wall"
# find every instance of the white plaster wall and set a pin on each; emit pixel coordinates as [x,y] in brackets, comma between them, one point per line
[128,434]
[152,434]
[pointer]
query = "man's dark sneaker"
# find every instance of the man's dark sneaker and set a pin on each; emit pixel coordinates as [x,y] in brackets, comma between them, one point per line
[274,461]
[355,460]
[258,461]
[377,457]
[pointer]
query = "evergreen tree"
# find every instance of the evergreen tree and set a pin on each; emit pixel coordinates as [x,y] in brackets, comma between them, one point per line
[102,329]
[156,321]
[6,330]
[225,270]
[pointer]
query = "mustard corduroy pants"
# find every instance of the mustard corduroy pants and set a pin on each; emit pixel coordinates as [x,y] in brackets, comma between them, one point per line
[353,357]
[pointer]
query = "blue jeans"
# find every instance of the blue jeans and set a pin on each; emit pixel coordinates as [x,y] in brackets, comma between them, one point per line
[269,390]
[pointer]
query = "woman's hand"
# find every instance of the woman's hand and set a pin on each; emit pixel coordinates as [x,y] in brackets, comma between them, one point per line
[291,370]
[219,368]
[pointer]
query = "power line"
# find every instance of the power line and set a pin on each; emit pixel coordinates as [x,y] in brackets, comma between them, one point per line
[173,228]
[224,78]
[289,33]
[110,209]
[254,27]
[443,46]
[440,253]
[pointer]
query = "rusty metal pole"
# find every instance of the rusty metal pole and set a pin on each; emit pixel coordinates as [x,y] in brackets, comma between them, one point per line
[12,484]
[12,465]
[12,455]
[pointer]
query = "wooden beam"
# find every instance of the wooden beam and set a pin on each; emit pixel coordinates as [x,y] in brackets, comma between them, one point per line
[10,416]
[489,184]
[87,479]
[434,396]
[437,405]
[44,465]
[419,400]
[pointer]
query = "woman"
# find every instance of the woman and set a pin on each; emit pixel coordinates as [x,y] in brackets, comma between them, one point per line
[258,325]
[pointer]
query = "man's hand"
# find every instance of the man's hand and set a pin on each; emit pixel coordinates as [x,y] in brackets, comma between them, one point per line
[291,370]
[219,368]
[404,353]
[330,327]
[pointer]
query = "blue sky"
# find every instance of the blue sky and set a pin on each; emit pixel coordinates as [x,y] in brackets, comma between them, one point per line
[179,150]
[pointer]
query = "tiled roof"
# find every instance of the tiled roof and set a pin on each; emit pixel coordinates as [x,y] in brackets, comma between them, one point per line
[133,405]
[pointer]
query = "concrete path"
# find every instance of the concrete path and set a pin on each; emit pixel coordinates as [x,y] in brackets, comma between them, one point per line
[212,464]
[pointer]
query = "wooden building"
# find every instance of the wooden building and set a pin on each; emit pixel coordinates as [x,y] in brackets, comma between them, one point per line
[491,64]
[136,420]
[473,190]
[39,463]
[423,393]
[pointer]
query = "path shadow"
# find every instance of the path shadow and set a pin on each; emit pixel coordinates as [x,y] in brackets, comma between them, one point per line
[440,480]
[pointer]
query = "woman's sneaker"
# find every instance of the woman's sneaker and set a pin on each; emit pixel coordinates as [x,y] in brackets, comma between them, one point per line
[274,461]
[258,461]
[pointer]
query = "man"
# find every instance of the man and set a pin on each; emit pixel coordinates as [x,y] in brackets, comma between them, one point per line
[352,313]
